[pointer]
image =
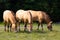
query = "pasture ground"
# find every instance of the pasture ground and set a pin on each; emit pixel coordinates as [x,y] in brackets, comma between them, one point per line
[35,35]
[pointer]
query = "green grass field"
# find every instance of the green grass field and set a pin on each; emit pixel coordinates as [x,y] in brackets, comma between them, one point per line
[35,35]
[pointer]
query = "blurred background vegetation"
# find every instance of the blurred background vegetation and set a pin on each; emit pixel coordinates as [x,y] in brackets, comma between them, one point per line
[52,7]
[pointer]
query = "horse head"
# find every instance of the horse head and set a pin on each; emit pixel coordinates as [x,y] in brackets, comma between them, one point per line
[14,27]
[50,26]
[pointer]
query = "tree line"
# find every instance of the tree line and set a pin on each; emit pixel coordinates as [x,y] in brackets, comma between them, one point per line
[52,7]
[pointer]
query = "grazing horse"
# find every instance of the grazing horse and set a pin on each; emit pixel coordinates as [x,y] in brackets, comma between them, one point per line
[9,20]
[41,16]
[26,17]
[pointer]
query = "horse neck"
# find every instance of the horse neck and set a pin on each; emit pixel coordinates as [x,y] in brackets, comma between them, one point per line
[13,20]
[47,19]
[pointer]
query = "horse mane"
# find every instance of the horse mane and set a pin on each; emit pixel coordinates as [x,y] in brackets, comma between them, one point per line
[46,17]
[13,14]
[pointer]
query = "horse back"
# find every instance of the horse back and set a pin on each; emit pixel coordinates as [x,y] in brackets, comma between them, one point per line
[9,16]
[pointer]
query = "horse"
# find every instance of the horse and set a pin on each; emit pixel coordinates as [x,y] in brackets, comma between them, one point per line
[26,17]
[9,21]
[41,16]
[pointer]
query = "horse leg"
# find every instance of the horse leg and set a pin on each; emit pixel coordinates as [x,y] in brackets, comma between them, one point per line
[41,26]
[5,27]
[8,27]
[25,26]
[40,21]
[38,26]
[18,24]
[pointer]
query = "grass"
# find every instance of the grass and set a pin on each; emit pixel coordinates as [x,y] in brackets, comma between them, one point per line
[35,35]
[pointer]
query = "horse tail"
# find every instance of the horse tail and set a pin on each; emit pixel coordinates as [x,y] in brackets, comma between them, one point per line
[30,16]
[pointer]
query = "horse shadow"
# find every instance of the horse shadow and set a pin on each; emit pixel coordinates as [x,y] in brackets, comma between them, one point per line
[39,31]
[33,31]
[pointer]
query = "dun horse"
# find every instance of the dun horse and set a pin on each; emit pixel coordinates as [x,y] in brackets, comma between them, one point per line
[41,16]
[26,17]
[9,20]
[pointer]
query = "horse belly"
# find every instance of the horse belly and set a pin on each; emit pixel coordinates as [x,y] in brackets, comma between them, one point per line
[35,18]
